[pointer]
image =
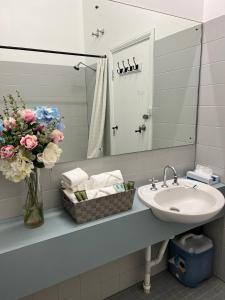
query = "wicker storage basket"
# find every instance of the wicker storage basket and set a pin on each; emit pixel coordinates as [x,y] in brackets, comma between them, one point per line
[94,209]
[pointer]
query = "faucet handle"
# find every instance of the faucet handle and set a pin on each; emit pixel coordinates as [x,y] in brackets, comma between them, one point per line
[153,181]
[175,180]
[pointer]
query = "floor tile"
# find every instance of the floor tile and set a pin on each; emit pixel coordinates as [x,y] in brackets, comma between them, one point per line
[166,287]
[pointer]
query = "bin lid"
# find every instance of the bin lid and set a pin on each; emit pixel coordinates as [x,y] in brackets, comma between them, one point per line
[193,243]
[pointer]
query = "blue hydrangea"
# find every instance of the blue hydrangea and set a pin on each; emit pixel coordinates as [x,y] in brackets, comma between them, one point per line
[1,127]
[61,126]
[47,114]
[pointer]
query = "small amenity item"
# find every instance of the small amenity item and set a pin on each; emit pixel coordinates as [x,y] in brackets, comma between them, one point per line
[119,187]
[81,196]
[129,185]
[191,259]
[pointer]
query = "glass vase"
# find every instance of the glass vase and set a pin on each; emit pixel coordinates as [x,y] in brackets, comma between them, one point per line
[33,209]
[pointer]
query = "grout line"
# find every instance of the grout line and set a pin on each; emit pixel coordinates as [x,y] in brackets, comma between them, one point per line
[212,84]
[176,70]
[214,63]
[211,41]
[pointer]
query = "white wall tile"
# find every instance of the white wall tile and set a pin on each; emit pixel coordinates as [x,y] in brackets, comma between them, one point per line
[178,79]
[213,51]
[211,116]
[214,29]
[213,73]
[178,60]
[90,286]
[212,95]
[211,121]
[47,294]
[70,289]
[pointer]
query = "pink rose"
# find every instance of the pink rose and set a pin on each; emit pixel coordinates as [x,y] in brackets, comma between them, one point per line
[29,141]
[7,151]
[28,115]
[57,136]
[9,123]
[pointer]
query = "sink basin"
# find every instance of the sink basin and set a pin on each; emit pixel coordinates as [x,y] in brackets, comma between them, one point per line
[189,202]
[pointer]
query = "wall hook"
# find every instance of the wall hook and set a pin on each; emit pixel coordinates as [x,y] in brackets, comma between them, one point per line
[119,70]
[124,67]
[136,66]
[101,31]
[130,67]
[96,34]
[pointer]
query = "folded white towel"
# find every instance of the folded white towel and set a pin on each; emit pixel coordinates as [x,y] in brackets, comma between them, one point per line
[74,177]
[97,193]
[106,179]
[70,195]
[85,185]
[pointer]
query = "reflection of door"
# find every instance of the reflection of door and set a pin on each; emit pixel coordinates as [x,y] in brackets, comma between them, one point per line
[131,96]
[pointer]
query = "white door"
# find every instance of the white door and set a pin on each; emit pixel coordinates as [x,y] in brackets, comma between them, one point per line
[131,96]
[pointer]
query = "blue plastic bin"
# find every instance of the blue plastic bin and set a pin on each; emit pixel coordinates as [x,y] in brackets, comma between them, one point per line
[191,259]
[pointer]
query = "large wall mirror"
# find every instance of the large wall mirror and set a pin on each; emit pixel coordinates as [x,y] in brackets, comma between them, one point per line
[144,97]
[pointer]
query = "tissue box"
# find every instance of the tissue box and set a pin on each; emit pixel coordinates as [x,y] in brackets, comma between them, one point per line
[94,209]
[213,179]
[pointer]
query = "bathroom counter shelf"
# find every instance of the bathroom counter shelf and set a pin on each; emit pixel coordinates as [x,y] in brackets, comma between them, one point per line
[62,249]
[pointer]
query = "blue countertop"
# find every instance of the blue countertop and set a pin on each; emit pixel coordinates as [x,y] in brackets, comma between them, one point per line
[33,259]
[13,234]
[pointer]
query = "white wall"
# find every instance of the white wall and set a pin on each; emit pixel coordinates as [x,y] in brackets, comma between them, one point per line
[122,22]
[46,24]
[190,9]
[213,9]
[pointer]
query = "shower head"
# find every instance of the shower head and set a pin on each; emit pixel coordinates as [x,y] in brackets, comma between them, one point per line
[77,67]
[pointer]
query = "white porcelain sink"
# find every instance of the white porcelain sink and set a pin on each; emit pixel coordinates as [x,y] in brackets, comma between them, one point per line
[190,202]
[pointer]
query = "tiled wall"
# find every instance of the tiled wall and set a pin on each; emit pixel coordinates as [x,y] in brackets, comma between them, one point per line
[177,64]
[100,283]
[52,85]
[211,122]
[137,166]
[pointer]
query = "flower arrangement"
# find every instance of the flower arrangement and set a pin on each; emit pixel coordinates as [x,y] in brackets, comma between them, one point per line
[28,141]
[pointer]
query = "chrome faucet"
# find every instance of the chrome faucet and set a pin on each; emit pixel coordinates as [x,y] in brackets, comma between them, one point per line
[175,177]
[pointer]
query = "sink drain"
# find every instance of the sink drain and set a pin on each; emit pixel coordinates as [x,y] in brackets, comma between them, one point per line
[174,209]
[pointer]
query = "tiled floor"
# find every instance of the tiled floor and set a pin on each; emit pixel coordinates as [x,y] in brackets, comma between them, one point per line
[166,287]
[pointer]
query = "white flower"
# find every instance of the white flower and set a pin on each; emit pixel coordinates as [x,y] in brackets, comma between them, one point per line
[50,155]
[16,169]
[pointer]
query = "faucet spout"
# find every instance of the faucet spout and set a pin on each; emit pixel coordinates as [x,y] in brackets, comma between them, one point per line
[165,176]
